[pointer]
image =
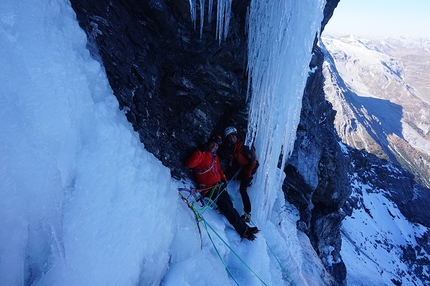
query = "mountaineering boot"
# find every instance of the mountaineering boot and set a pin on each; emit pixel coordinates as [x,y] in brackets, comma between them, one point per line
[246,217]
[250,233]
[249,236]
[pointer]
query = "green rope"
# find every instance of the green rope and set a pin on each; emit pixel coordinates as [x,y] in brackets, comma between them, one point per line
[277,259]
[199,217]
[212,202]
[280,264]
[219,255]
[237,202]
[231,249]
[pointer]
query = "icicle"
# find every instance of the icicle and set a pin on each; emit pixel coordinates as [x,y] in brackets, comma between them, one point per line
[227,15]
[211,3]
[202,16]
[218,18]
[222,18]
[193,12]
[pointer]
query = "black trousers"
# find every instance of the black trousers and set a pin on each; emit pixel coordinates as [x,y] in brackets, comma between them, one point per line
[225,206]
[244,183]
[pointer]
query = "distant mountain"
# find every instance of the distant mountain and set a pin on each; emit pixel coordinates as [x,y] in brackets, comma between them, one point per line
[380,90]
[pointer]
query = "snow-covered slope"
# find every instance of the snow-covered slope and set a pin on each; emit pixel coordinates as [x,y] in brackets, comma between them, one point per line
[380,245]
[380,90]
[377,239]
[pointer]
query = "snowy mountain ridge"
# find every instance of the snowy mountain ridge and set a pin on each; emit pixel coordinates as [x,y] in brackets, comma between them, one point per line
[381,92]
[371,86]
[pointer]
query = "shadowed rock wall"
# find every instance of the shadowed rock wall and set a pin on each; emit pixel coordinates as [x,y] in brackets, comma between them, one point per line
[316,181]
[175,86]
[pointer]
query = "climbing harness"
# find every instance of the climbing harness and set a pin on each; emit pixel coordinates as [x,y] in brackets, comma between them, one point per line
[195,196]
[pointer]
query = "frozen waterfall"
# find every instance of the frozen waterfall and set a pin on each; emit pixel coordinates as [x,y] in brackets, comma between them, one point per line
[278,64]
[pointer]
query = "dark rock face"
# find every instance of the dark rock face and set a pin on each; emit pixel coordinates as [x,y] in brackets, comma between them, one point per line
[175,86]
[317,182]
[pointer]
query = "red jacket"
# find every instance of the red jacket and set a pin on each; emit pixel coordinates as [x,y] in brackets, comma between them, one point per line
[206,168]
[244,156]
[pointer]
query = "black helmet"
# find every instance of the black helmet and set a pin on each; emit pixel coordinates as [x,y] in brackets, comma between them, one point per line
[215,138]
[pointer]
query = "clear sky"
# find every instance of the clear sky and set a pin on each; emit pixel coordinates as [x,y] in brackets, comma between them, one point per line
[381,18]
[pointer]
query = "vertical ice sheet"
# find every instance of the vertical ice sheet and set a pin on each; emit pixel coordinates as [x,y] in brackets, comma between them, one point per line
[279,50]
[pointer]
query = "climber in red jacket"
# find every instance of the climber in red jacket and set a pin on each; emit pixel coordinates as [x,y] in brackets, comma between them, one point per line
[205,165]
[243,158]
[212,181]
